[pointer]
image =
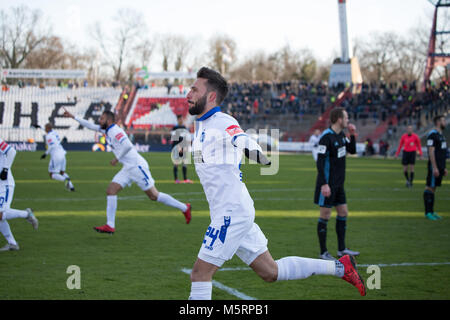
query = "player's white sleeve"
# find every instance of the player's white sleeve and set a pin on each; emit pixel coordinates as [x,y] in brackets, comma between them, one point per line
[88,124]
[126,147]
[251,148]
[50,147]
[243,141]
[9,159]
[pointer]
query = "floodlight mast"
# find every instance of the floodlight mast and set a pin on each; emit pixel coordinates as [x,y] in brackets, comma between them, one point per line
[345,56]
[434,58]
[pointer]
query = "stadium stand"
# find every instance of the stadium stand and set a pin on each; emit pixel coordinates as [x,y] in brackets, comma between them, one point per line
[21,108]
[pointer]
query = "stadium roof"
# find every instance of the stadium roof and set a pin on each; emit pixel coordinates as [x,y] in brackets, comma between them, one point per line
[440,3]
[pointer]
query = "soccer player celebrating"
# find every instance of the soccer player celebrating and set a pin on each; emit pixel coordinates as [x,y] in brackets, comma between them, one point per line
[410,143]
[57,164]
[437,155]
[180,137]
[217,146]
[135,169]
[333,147]
[7,184]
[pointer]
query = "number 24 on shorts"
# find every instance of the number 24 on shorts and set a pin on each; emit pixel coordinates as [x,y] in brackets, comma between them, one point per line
[214,233]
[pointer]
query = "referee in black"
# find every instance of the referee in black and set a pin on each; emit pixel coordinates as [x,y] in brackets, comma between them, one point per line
[437,156]
[333,147]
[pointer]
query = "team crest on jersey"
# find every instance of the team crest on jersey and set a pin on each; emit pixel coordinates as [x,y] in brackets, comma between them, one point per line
[233,130]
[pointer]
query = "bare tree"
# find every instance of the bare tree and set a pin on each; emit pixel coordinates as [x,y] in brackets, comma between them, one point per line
[222,50]
[129,24]
[167,46]
[144,51]
[182,46]
[21,32]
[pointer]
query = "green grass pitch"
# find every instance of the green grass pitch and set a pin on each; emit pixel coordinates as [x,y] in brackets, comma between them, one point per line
[144,258]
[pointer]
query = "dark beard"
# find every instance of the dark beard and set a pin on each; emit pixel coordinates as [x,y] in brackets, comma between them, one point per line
[443,127]
[104,126]
[198,107]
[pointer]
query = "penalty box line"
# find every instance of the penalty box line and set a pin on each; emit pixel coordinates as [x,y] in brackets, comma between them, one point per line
[243,296]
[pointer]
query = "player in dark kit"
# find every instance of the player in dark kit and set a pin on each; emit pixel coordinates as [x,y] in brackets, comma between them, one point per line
[437,156]
[180,141]
[333,147]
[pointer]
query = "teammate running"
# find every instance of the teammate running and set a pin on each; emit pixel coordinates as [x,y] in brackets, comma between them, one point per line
[333,147]
[135,169]
[7,185]
[437,156]
[217,149]
[410,143]
[57,164]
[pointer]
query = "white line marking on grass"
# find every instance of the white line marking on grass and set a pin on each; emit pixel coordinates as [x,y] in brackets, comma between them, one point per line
[225,288]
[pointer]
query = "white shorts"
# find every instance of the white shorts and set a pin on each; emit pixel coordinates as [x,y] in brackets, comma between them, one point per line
[57,163]
[6,196]
[227,236]
[139,175]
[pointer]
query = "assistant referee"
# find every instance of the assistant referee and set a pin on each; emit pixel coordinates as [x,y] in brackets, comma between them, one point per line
[410,143]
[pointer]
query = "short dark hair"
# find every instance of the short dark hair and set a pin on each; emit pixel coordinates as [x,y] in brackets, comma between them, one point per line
[336,114]
[216,82]
[110,115]
[437,118]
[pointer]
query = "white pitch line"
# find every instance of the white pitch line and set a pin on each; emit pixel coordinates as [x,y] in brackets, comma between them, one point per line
[225,288]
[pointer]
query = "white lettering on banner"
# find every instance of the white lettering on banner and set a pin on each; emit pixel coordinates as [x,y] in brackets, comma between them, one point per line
[43,73]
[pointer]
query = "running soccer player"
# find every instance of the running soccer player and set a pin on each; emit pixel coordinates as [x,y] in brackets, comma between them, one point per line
[179,137]
[410,143]
[57,164]
[7,185]
[333,147]
[135,169]
[218,145]
[437,155]
[314,140]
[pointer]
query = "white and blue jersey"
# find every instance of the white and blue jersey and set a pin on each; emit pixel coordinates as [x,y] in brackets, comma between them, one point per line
[7,155]
[135,167]
[217,163]
[217,159]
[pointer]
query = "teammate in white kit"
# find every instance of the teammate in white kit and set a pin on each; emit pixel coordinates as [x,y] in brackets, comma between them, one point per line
[7,184]
[314,140]
[57,164]
[135,169]
[217,149]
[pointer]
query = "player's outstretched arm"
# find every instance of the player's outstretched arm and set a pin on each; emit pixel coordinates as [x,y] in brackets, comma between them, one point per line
[83,122]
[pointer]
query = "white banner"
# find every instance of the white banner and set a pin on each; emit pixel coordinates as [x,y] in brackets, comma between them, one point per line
[307,147]
[43,73]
